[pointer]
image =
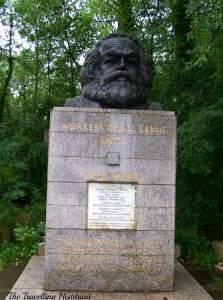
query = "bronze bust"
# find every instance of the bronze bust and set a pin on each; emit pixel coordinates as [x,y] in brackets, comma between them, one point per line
[116,74]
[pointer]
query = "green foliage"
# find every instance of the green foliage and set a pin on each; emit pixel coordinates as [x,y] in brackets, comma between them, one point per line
[199,183]
[22,176]
[200,172]
[194,248]
[24,246]
[41,69]
[192,85]
[181,25]
[126,22]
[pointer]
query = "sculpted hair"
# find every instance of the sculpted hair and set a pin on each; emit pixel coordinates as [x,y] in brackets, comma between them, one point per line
[92,62]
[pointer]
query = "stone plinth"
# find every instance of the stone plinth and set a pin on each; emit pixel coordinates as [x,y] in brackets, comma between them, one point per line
[110,200]
[30,285]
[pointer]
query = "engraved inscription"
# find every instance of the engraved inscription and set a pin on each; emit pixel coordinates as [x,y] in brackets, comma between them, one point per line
[102,176]
[115,128]
[110,255]
[152,129]
[112,140]
[82,126]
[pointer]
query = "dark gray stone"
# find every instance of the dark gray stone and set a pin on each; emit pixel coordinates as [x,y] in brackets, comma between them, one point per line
[116,73]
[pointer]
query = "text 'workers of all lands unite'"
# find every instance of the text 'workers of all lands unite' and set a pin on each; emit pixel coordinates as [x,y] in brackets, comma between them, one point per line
[59,296]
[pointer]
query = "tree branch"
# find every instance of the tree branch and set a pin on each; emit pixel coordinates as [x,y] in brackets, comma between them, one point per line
[109,5]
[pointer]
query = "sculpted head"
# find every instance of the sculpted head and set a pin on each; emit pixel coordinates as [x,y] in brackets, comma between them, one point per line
[117,73]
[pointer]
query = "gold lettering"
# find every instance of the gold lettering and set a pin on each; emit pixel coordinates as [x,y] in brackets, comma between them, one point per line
[128,128]
[101,267]
[83,126]
[112,127]
[116,176]
[89,267]
[73,126]
[98,127]
[159,251]
[115,140]
[152,129]
[105,140]
[133,242]
[102,176]
[148,251]
[151,259]
[63,267]
[65,125]
[97,176]
[99,253]
[115,251]
[133,251]
[110,267]
[125,176]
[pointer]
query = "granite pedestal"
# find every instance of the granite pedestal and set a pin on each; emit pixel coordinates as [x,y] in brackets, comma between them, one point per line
[110,200]
[30,286]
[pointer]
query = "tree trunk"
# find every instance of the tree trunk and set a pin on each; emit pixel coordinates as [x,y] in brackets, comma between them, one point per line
[182,26]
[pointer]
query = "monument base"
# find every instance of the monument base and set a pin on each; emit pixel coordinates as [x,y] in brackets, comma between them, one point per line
[30,286]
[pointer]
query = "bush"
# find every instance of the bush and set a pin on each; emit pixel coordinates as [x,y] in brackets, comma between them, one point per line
[194,248]
[199,212]
[24,246]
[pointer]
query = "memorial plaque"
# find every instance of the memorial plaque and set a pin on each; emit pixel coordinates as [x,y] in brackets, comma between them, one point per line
[111,206]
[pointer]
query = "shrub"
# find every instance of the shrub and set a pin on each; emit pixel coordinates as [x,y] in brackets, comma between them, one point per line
[25,244]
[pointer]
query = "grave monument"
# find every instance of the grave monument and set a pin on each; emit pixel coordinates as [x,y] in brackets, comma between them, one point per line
[111,179]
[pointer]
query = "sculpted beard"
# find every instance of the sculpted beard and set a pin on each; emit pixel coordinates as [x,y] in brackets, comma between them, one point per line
[118,89]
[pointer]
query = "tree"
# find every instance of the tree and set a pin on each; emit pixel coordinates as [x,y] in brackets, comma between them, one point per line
[6,56]
[125,17]
[41,53]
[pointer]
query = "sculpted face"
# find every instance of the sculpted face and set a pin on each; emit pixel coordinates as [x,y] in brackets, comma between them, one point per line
[120,59]
[119,82]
